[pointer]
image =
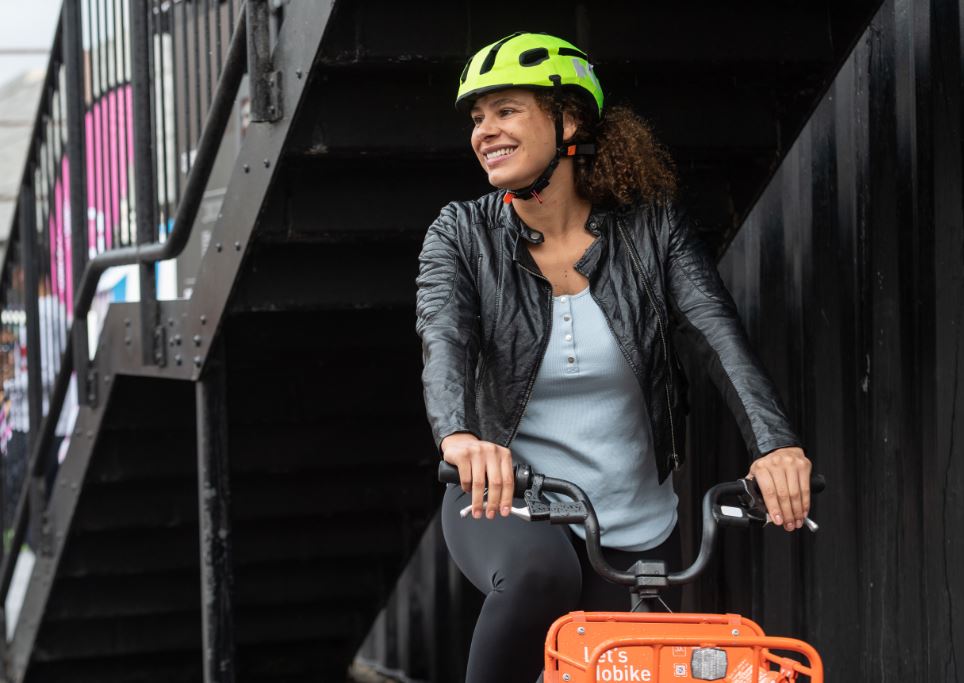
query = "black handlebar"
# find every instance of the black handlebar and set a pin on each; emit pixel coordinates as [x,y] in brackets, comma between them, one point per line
[449,474]
[746,489]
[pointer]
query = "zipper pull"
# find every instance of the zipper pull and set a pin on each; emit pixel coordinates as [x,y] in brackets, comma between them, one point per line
[675,459]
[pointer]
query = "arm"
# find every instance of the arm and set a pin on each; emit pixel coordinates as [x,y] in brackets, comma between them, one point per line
[447,312]
[709,319]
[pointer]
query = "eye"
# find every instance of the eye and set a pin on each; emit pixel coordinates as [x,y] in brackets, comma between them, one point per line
[477,120]
[506,111]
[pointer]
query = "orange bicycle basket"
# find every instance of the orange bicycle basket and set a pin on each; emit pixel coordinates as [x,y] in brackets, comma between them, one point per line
[585,647]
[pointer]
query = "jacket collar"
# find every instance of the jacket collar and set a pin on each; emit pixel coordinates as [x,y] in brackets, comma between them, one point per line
[598,224]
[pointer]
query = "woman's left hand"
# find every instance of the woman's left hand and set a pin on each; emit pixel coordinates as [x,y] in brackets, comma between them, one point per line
[784,479]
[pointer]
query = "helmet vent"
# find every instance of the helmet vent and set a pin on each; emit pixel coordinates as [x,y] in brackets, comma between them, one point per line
[493,53]
[465,71]
[573,52]
[536,55]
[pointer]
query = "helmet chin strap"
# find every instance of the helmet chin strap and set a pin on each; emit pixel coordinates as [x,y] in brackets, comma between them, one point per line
[562,150]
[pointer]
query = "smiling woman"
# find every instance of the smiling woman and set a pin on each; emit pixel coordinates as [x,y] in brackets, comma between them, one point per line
[628,164]
[546,311]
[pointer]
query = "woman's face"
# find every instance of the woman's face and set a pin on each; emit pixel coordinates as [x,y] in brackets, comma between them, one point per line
[512,137]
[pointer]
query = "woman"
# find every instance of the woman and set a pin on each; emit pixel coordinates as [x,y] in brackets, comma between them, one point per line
[546,311]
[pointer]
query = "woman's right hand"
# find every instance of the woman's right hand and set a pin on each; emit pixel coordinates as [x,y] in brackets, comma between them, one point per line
[482,463]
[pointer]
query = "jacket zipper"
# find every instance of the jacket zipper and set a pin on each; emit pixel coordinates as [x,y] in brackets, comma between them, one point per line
[634,258]
[542,353]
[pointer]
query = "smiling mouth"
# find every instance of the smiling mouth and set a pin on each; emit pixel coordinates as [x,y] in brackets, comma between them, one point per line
[499,153]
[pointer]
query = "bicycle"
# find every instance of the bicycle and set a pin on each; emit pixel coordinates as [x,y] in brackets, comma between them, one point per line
[649,646]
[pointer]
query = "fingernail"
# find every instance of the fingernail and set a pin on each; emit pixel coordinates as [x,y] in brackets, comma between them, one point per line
[477,514]
[799,523]
[790,526]
[778,519]
[490,514]
[506,510]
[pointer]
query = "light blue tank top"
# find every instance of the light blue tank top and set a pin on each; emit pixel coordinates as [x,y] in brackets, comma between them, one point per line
[586,421]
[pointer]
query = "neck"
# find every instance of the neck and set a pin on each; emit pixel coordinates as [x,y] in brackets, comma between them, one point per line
[561,212]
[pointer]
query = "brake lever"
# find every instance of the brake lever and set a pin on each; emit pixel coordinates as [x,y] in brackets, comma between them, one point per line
[756,509]
[522,513]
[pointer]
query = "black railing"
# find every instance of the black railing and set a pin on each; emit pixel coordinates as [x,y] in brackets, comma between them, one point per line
[132,113]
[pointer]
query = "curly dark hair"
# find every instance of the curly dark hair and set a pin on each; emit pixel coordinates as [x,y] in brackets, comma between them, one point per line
[630,165]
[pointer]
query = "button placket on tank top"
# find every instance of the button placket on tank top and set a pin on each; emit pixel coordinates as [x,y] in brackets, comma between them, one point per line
[564,311]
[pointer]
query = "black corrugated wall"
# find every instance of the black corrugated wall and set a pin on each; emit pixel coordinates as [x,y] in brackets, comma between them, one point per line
[849,272]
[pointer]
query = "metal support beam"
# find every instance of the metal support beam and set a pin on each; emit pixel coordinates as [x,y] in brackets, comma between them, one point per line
[145,187]
[214,497]
[73,53]
[31,302]
[31,306]
[266,104]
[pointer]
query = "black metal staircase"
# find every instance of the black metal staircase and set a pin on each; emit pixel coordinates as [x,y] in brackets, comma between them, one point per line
[250,468]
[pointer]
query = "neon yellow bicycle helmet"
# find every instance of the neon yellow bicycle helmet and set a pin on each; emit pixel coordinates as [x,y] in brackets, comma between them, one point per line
[532,60]
[527,60]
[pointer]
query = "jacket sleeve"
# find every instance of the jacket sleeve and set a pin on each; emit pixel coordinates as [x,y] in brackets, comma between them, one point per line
[709,319]
[447,310]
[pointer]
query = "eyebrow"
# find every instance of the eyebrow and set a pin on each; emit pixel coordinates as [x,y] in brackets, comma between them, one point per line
[499,102]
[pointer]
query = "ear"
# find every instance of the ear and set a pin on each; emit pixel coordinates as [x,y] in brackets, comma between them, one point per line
[570,124]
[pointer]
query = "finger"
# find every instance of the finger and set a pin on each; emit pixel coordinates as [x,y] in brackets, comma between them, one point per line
[782,489]
[796,504]
[805,487]
[493,470]
[769,492]
[478,482]
[465,473]
[508,482]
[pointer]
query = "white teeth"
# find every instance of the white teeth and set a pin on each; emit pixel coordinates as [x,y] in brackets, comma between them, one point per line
[500,153]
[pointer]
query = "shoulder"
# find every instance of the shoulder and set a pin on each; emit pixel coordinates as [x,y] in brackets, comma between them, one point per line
[486,210]
[466,219]
[647,218]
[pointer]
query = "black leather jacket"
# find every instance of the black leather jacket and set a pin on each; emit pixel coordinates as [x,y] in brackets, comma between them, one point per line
[484,311]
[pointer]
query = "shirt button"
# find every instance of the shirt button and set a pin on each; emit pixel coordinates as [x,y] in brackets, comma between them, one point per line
[567,318]
[534,235]
[563,300]
[568,337]
[571,360]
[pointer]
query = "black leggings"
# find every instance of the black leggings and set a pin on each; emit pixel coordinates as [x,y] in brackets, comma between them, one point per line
[531,575]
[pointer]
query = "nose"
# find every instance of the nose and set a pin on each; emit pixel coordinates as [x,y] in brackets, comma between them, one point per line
[486,128]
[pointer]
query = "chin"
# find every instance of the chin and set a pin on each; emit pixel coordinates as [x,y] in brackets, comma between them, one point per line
[504,181]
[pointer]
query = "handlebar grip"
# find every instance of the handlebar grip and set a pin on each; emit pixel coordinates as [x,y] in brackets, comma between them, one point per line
[817,483]
[449,474]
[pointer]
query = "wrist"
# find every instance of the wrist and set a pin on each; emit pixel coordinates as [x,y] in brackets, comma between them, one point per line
[456,438]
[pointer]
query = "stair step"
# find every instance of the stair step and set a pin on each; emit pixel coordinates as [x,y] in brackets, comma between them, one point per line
[331,387]
[124,455]
[182,667]
[305,661]
[90,638]
[124,552]
[291,583]
[91,597]
[139,504]
[351,537]
[254,338]
[327,446]
[328,276]
[282,584]
[318,196]
[387,490]
[751,36]
[149,403]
